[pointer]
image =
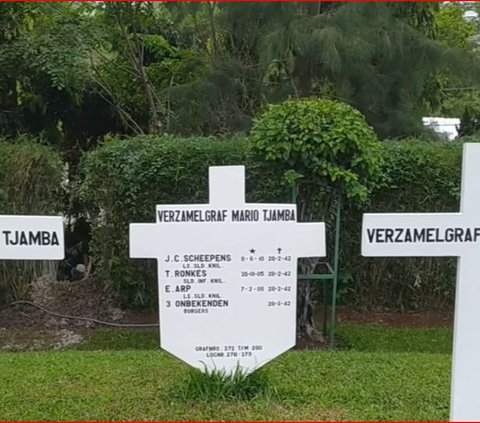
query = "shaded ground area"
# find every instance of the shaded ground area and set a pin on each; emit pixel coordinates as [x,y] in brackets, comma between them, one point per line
[24,328]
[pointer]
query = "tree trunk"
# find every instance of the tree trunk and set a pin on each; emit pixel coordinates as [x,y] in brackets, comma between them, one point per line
[211,22]
[135,55]
[306,289]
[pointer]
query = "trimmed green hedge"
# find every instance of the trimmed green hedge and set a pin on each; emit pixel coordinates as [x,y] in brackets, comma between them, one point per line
[125,179]
[417,177]
[31,177]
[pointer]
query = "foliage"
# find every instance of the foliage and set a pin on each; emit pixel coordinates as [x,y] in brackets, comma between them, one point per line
[138,385]
[322,141]
[419,15]
[210,104]
[453,29]
[31,177]
[453,94]
[454,103]
[469,122]
[377,57]
[76,72]
[44,72]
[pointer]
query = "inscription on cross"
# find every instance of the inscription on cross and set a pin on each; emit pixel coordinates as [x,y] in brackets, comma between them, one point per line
[31,238]
[445,234]
[227,274]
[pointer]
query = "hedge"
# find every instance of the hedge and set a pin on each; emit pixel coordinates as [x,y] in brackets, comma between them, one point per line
[31,177]
[125,179]
[417,177]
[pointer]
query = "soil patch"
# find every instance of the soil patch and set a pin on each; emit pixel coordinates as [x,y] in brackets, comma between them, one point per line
[85,298]
[33,340]
[304,343]
[25,328]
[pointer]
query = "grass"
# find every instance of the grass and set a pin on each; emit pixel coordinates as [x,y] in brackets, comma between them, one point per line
[131,379]
[216,385]
[366,338]
[370,338]
[120,339]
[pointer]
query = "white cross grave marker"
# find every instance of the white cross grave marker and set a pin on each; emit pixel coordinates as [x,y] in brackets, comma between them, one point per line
[445,234]
[227,274]
[31,238]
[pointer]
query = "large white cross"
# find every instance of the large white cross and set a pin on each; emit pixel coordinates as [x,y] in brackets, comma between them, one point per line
[31,238]
[227,274]
[445,234]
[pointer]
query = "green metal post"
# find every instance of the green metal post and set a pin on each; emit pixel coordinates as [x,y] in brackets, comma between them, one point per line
[333,317]
[294,193]
[333,272]
[325,309]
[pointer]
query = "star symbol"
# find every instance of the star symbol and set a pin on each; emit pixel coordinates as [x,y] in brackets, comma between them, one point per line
[252,251]
[279,250]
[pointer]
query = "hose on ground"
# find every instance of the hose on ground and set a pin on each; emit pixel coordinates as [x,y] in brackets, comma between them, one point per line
[81,318]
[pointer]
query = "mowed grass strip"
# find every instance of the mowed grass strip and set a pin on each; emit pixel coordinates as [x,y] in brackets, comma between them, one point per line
[120,339]
[367,338]
[146,385]
[381,338]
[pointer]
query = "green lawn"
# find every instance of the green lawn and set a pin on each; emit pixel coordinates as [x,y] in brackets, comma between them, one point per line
[371,338]
[387,374]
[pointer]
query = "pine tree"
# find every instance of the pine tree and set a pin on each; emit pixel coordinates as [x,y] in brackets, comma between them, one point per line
[369,55]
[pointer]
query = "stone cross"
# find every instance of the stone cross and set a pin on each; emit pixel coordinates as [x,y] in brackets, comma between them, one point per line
[445,234]
[31,238]
[227,274]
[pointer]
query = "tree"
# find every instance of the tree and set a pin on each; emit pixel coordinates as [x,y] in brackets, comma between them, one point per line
[455,94]
[453,30]
[368,56]
[328,149]
[44,74]
[83,70]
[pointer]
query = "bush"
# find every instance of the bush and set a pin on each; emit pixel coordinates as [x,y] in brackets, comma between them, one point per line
[124,180]
[31,177]
[325,142]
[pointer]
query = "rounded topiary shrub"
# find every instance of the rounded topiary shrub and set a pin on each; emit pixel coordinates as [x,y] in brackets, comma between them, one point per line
[325,142]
